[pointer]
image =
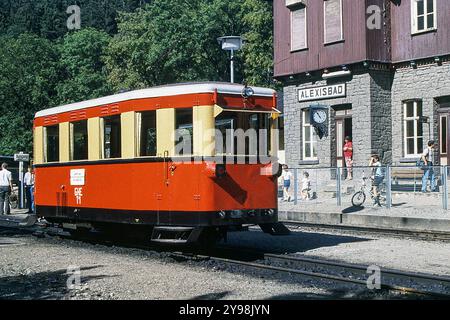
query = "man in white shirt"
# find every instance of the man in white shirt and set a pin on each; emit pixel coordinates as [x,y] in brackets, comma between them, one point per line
[29,182]
[428,157]
[5,189]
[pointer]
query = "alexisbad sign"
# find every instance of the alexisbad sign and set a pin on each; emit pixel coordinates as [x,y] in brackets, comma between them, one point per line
[324,92]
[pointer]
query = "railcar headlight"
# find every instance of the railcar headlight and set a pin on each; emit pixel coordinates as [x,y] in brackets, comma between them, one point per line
[247,92]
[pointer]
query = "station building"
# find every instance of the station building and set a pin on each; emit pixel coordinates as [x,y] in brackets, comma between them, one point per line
[380,69]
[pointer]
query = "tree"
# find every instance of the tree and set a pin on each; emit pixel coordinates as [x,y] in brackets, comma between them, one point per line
[28,74]
[48,18]
[257,23]
[175,41]
[81,62]
[170,41]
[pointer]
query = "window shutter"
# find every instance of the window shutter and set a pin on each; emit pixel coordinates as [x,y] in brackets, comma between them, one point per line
[333,23]
[298,29]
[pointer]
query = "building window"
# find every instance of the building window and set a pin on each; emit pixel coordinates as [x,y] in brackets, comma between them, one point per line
[298,29]
[413,130]
[111,137]
[424,16]
[147,133]
[309,138]
[52,144]
[79,140]
[184,132]
[332,15]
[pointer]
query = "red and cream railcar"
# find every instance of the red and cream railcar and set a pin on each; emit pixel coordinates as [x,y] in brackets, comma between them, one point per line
[113,162]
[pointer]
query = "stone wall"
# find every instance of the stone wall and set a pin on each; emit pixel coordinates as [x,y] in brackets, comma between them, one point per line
[427,82]
[368,92]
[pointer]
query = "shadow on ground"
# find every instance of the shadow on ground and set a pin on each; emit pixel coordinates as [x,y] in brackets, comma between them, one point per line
[353,209]
[293,243]
[41,286]
[344,294]
[212,296]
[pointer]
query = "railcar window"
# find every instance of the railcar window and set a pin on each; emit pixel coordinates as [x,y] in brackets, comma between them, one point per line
[184,132]
[241,133]
[147,133]
[112,138]
[79,140]
[52,144]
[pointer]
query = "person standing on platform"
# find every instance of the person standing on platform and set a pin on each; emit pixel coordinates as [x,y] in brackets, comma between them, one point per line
[348,156]
[428,160]
[5,189]
[287,176]
[29,183]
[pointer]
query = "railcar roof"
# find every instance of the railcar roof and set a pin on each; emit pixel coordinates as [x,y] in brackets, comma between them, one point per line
[161,91]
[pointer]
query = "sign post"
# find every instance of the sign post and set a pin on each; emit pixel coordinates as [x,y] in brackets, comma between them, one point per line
[21,157]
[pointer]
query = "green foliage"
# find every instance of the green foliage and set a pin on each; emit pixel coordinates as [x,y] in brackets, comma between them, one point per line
[169,41]
[28,75]
[175,41]
[81,63]
[258,31]
[48,18]
[123,44]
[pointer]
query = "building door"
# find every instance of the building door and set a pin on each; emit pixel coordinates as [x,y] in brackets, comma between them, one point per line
[444,139]
[444,134]
[343,129]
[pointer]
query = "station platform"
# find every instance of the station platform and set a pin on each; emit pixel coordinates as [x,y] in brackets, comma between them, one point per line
[18,218]
[418,212]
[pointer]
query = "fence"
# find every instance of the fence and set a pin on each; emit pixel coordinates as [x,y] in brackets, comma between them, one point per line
[395,185]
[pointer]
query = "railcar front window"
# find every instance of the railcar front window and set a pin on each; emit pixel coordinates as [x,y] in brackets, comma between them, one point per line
[242,133]
[52,143]
[184,132]
[112,137]
[79,142]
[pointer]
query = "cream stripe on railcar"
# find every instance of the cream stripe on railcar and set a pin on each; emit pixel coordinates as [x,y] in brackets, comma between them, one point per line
[38,145]
[94,139]
[128,134]
[165,131]
[204,134]
[64,142]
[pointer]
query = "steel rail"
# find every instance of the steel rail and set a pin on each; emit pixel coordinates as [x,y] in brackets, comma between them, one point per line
[425,235]
[328,277]
[347,266]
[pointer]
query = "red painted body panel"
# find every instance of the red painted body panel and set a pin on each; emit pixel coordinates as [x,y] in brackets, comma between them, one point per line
[142,186]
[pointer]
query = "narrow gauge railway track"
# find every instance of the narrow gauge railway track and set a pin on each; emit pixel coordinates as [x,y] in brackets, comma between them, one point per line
[247,257]
[397,233]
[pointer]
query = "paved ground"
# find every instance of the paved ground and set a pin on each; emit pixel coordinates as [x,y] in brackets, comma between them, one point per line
[412,205]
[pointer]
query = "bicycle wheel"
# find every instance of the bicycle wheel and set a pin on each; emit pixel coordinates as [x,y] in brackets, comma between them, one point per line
[358,199]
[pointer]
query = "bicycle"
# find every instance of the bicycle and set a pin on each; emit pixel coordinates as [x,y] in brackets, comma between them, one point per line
[359,197]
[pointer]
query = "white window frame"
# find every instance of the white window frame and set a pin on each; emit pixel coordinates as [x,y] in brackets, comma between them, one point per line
[416,137]
[306,29]
[313,135]
[324,24]
[414,17]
